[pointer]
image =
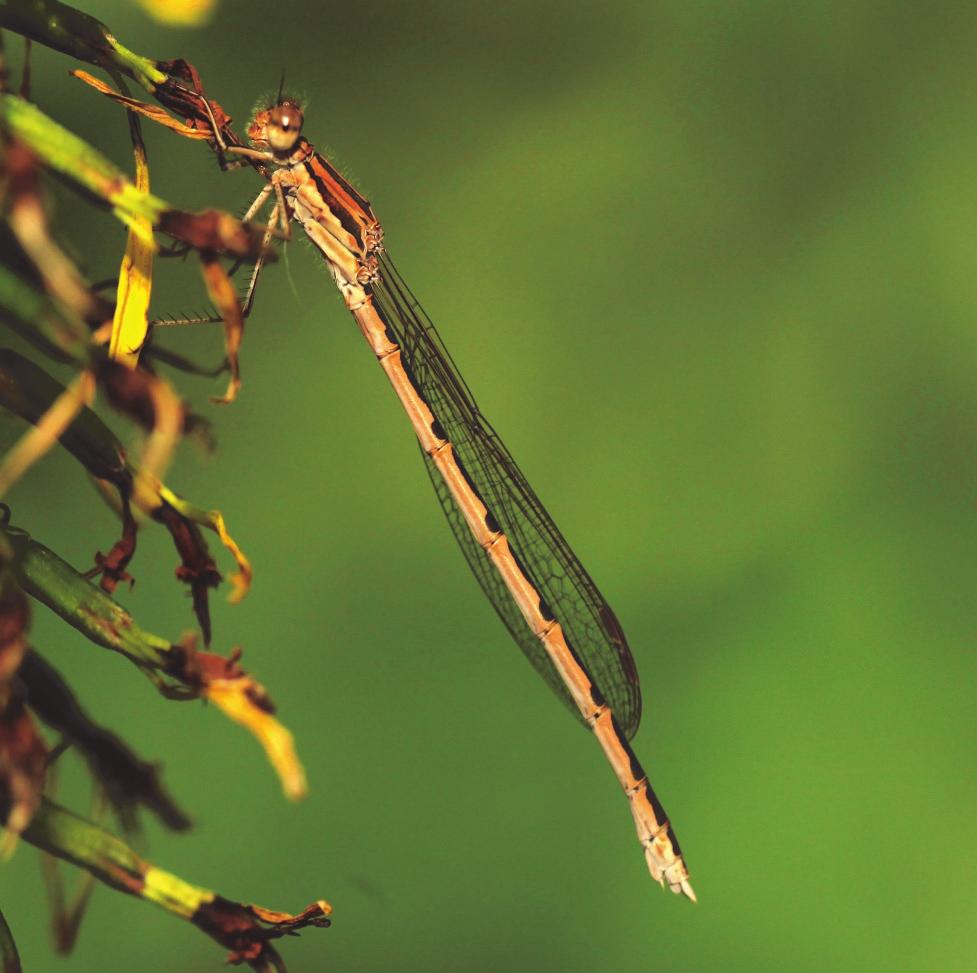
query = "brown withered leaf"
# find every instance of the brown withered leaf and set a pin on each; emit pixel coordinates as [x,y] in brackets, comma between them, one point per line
[152,112]
[225,299]
[129,390]
[23,761]
[247,930]
[128,782]
[22,751]
[197,568]
[217,231]
[112,566]
[14,619]
[183,93]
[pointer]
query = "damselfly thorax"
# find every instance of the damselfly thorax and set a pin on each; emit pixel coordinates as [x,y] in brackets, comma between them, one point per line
[332,213]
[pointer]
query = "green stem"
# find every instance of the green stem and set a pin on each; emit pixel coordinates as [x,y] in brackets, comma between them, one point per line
[75,159]
[246,930]
[83,605]
[77,34]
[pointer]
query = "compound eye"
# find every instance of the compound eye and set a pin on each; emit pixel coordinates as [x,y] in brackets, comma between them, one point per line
[284,127]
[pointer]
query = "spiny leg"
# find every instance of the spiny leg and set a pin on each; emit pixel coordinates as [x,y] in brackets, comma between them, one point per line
[248,302]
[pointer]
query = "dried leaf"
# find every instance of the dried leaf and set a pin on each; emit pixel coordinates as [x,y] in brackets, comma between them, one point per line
[131,320]
[9,960]
[224,297]
[245,701]
[23,761]
[183,92]
[151,402]
[214,520]
[47,430]
[177,669]
[247,931]
[197,567]
[233,924]
[127,781]
[152,112]
[215,230]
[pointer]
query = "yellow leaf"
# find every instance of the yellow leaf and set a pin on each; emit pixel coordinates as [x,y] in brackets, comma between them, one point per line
[131,321]
[237,699]
[152,112]
[214,520]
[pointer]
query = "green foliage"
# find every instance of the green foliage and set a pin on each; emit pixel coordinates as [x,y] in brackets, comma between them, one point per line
[46,300]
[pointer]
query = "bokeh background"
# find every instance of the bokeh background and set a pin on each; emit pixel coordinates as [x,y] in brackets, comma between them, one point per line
[710,269]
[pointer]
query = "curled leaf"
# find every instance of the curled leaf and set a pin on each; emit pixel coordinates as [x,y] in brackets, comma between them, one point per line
[27,391]
[178,670]
[151,402]
[197,567]
[247,930]
[182,92]
[225,299]
[245,701]
[127,781]
[152,112]
[23,761]
[214,520]
[22,751]
[131,320]
[217,231]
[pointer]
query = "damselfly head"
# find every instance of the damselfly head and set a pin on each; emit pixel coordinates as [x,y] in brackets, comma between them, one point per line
[278,126]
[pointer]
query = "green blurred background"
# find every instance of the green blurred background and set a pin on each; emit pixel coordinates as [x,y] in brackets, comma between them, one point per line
[710,270]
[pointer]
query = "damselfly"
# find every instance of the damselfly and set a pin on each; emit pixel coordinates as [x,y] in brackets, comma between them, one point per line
[540,590]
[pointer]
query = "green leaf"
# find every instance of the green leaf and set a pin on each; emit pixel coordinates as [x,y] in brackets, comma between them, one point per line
[246,930]
[77,34]
[83,605]
[74,158]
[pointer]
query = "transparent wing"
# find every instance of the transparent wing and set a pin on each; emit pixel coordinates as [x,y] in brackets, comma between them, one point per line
[569,594]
